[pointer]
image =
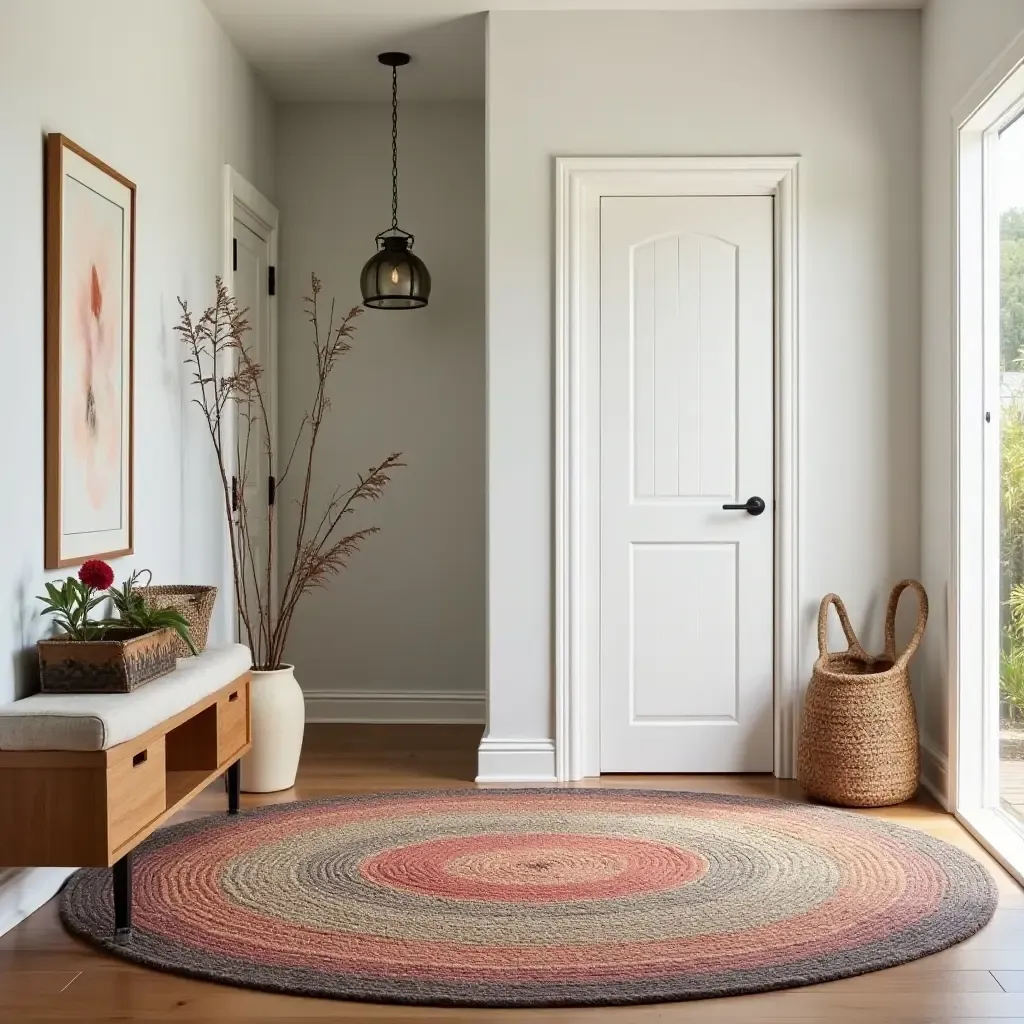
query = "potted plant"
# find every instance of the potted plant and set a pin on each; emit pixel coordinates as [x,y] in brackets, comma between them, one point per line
[108,655]
[321,546]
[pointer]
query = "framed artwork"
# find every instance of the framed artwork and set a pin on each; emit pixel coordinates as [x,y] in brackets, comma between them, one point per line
[90,306]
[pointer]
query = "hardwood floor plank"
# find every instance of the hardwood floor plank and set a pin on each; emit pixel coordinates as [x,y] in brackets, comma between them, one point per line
[915,978]
[156,997]
[22,989]
[979,980]
[959,958]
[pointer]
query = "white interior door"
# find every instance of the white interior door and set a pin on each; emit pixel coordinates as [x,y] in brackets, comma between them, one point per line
[252,292]
[687,315]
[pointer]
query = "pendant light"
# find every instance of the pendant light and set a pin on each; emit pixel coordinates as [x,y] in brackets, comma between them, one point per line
[394,278]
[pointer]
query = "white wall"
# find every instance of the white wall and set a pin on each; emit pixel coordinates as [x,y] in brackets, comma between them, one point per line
[959,44]
[157,91]
[840,89]
[400,634]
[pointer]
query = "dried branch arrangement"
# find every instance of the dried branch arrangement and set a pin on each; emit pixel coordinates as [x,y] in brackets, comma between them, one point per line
[235,396]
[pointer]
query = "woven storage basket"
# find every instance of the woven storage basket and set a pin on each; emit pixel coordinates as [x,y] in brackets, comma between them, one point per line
[858,734]
[196,606]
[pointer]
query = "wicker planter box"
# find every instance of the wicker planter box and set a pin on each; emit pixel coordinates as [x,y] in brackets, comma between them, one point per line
[120,663]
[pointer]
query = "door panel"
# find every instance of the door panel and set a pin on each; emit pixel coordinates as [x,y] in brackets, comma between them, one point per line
[682,613]
[684,344]
[687,315]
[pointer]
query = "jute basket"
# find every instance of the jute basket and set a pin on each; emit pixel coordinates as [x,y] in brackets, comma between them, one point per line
[858,734]
[196,606]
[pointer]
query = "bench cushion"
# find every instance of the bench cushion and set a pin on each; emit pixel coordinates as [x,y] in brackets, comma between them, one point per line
[96,721]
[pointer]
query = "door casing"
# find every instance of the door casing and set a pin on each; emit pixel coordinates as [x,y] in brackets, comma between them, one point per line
[241,196]
[580,184]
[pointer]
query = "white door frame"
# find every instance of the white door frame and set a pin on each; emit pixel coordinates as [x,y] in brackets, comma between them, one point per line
[238,192]
[580,184]
[973,790]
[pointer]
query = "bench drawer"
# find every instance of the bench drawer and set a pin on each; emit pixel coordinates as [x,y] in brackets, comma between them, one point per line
[136,791]
[232,722]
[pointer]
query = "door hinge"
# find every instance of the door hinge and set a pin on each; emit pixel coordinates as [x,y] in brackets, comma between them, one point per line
[234,253]
[271,490]
[234,494]
[272,280]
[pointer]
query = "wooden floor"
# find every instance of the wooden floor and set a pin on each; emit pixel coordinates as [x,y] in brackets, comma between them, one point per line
[46,975]
[1011,787]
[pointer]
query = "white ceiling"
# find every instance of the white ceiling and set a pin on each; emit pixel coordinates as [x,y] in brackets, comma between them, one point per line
[327,49]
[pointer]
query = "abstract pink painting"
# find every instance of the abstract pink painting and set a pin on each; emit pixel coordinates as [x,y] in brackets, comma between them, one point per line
[92,360]
[90,251]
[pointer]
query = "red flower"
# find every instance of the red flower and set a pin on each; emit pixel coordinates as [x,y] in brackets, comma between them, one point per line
[96,574]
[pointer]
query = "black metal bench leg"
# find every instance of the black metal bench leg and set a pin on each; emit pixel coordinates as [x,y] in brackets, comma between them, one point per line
[123,898]
[234,777]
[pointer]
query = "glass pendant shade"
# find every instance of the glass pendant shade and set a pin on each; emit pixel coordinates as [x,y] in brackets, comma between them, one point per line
[395,277]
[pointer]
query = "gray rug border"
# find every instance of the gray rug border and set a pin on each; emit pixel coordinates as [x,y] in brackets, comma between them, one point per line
[956,920]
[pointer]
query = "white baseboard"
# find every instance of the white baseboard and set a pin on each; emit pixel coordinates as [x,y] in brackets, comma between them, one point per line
[24,890]
[516,760]
[396,707]
[935,771]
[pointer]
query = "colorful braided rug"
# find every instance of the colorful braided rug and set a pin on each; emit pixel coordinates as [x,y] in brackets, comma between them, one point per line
[538,897]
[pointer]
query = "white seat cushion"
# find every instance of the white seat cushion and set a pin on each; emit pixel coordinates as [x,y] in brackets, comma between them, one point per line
[96,721]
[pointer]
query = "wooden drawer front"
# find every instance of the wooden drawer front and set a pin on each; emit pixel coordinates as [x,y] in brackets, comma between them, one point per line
[136,791]
[52,816]
[232,722]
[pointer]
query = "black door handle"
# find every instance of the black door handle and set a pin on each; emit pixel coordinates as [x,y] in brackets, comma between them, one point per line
[755,506]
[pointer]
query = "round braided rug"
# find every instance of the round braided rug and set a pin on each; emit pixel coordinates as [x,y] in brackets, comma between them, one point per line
[537,897]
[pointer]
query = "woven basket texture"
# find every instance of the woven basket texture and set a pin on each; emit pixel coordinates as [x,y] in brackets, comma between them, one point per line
[119,663]
[194,603]
[858,733]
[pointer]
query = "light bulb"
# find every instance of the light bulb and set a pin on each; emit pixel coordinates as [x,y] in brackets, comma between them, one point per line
[394,275]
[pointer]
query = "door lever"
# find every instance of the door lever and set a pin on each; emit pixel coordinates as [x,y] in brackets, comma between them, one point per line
[753,506]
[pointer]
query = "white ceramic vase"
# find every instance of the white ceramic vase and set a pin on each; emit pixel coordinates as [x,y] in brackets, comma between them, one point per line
[278,720]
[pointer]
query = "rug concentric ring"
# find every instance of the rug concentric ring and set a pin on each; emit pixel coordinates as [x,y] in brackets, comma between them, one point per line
[537,897]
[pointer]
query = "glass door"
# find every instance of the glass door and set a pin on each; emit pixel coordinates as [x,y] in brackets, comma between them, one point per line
[1006,152]
[987,743]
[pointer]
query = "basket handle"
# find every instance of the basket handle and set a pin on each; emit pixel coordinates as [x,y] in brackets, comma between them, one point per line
[844,619]
[890,622]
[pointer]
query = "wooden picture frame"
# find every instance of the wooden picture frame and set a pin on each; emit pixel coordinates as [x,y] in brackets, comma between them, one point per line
[90,357]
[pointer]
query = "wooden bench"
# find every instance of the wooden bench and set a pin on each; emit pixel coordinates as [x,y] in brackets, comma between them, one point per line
[84,778]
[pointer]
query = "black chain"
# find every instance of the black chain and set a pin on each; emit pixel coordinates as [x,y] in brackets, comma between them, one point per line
[394,148]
